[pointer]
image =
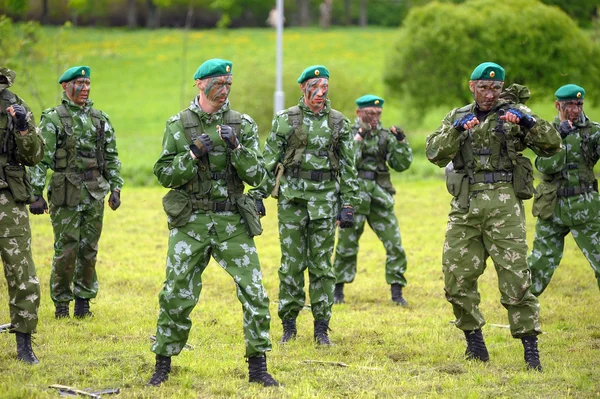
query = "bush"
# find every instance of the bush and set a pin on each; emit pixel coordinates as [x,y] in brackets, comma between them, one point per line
[439,45]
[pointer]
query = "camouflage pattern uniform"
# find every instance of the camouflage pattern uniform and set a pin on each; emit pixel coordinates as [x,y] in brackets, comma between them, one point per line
[309,199]
[76,193]
[493,223]
[568,176]
[15,233]
[203,222]
[376,207]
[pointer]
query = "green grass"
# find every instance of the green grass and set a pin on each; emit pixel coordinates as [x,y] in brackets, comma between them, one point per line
[390,351]
[141,78]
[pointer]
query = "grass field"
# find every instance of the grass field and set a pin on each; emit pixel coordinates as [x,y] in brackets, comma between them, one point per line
[390,351]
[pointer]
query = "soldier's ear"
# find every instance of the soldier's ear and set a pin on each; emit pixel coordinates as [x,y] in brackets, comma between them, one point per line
[358,112]
[557,105]
[472,86]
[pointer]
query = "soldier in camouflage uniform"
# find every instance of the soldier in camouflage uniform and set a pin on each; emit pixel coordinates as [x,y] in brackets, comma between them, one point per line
[81,149]
[378,148]
[209,151]
[309,155]
[480,146]
[567,199]
[20,145]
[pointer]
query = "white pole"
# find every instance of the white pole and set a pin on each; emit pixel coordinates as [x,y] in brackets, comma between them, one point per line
[279,95]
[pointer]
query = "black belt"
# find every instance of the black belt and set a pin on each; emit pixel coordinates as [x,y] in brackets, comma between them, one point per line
[218,176]
[572,191]
[572,166]
[314,175]
[214,206]
[491,177]
[367,174]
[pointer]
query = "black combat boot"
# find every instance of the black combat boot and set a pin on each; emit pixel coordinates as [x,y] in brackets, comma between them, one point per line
[61,310]
[257,371]
[289,330]
[161,371]
[476,349]
[24,350]
[338,294]
[532,356]
[397,295]
[82,308]
[321,331]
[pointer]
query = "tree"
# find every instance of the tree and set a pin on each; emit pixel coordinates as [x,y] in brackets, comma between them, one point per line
[439,44]
[303,12]
[363,13]
[131,14]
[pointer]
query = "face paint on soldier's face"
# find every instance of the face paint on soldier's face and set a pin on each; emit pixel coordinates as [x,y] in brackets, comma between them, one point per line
[571,110]
[485,92]
[370,116]
[78,90]
[315,93]
[216,89]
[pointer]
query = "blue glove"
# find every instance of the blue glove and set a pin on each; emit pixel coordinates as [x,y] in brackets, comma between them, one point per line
[202,145]
[399,133]
[460,123]
[564,129]
[20,117]
[525,120]
[346,217]
[228,136]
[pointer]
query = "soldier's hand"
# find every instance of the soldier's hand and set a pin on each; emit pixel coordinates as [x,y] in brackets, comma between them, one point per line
[39,206]
[398,132]
[228,136]
[565,128]
[201,146]
[514,115]
[346,217]
[260,208]
[19,114]
[360,134]
[114,201]
[465,123]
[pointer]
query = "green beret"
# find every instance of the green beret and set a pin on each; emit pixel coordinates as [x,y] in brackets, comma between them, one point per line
[488,71]
[213,67]
[369,100]
[315,71]
[74,73]
[570,92]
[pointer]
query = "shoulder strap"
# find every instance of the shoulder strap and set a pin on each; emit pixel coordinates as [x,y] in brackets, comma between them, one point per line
[335,121]
[234,119]
[190,122]
[100,125]
[9,98]
[382,150]
[67,124]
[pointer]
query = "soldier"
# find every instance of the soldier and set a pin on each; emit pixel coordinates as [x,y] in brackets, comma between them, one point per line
[378,148]
[209,151]
[81,149]
[311,155]
[567,199]
[480,144]
[21,145]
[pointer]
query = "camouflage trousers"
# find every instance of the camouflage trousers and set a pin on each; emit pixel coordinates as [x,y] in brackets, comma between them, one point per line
[385,225]
[493,226]
[305,244]
[580,218]
[19,269]
[77,231]
[187,258]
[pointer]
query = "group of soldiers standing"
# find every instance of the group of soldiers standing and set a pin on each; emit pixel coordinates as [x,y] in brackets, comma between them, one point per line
[325,173]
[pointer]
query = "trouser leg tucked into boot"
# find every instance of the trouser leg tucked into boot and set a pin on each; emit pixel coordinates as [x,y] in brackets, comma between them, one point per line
[61,310]
[532,356]
[161,370]
[257,371]
[82,308]
[24,349]
[476,349]
[397,295]
[338,294]
[321,332]
[289,330]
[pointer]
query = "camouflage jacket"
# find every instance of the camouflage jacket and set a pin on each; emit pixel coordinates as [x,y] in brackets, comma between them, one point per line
[574,164]
[322,196]
[85,142]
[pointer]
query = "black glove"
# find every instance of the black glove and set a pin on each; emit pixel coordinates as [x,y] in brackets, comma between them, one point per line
[460,123]
[20,117]
[202,145]
[399,133]
[525,120]
[564,129]
[260,208]
[346,217]
[114,201]
[228,136]
[39,206]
